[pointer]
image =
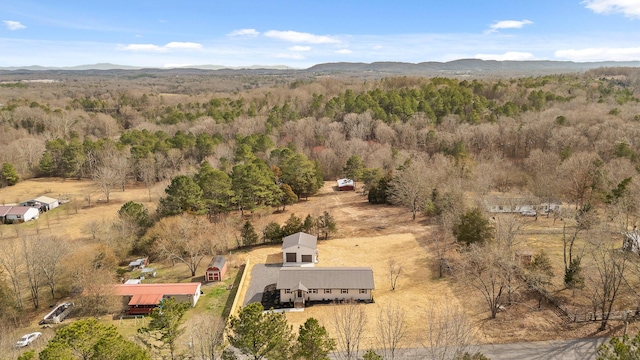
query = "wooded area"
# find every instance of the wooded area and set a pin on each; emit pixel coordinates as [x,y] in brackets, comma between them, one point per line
[228,144]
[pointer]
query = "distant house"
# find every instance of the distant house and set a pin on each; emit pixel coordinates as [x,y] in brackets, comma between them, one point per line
[504,204]
[216,269]
[139,263]
[141,299]
[44,203]
[299,285]
[346,184]
[3,213]
[631,241]
[19,214]
[299,249]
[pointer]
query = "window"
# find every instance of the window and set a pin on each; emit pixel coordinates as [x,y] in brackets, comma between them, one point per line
[363,291]
[287,291]
[327,291]
[344,291]
[313,291]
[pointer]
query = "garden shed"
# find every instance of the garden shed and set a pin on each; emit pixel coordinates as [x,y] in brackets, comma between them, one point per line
[216,269]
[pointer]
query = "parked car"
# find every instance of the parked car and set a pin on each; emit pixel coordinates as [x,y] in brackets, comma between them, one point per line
[28,339]
[528,213]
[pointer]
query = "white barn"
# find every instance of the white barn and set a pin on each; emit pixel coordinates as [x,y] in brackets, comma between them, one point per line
[45,203]
[300,249]
[299,285]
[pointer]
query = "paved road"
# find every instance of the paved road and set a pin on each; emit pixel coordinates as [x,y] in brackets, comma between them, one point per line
[576,349]
[261,276]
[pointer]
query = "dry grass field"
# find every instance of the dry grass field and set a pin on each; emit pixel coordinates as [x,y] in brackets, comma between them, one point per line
[368,235]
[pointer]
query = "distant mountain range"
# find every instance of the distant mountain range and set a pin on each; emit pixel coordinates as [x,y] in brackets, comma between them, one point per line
[456,67]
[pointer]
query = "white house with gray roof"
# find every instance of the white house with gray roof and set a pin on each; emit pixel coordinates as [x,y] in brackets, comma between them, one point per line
[44,203]
[299,285]
[299,249]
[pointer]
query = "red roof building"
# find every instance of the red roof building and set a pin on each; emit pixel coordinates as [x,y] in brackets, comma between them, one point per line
[143,298]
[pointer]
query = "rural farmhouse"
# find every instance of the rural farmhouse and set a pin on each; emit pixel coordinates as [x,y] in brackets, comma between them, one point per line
[18,214]
[299,285]
[299,249]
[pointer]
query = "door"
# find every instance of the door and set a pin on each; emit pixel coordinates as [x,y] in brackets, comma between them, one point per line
[216,276]
[291,257]
[306,258]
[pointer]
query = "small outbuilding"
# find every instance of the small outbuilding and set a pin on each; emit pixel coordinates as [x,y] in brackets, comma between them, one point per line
[20,214]
[346,185]
[44,203]
[299,249]
[3,213]
[216,269]
[140,263]
[631,241]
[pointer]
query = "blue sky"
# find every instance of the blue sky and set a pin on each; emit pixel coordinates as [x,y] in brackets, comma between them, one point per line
[303,33]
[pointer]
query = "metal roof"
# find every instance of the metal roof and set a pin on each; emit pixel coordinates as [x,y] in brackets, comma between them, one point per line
[4,210]
[218,262]
[300,238]
[345,182]
[325,278]
[45,200]
[158,289]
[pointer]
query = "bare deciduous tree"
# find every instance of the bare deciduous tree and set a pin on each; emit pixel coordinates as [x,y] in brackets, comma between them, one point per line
[606,277]
[392,330]
[206,336]
[408,187]
[349,321]
[52,251]
[31,257]
[394,272]
[483,270]
[183,239]
[11,262]
[448,332]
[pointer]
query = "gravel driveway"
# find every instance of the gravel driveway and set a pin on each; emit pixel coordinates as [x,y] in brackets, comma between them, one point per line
[261,276]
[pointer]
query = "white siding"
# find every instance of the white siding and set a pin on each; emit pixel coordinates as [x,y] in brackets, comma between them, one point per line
[335,294]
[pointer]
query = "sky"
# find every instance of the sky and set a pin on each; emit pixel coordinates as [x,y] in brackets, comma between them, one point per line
[302,33]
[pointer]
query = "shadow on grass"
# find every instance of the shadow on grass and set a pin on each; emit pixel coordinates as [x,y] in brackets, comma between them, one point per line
[234,291]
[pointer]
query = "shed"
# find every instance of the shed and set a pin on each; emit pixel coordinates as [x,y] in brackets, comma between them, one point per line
[346,184]
[139,263]
[44,203]
[299,249]
[216,269]
[19,214]
[631,241]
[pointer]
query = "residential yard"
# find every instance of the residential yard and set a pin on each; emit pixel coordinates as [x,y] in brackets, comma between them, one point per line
[368,235]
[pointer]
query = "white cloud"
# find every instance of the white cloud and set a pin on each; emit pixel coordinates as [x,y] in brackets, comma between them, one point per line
[509,55]
[183,45]
[300,48]
[600,54]
[142,47]
[13,25]
[343,51]
[290,56]
[174,45]
[630,8]
[300,37]
[509,24]
[244,32]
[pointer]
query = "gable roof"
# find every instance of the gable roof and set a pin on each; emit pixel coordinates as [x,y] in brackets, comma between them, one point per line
[325,278]
[300,238]
[4,210]
[157,289]
[45,200]
[217,262]
[19,210]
